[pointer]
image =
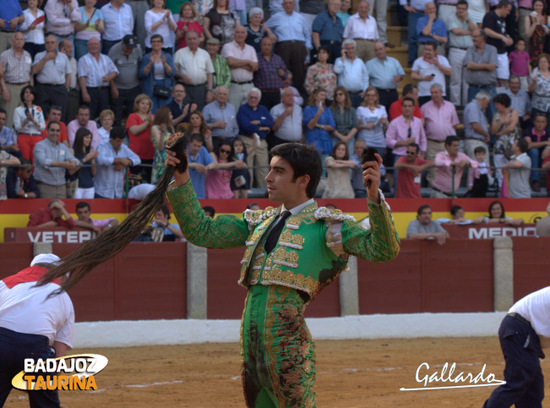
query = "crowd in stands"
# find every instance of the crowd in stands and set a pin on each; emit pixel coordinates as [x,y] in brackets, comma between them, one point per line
[91,91]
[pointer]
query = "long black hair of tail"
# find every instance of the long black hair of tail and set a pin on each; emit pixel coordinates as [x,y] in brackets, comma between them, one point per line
[109,243]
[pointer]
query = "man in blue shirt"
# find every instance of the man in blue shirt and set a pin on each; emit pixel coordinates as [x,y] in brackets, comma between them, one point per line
[352,72]
[200,162]
[11,15]
[430,29]
[328,30]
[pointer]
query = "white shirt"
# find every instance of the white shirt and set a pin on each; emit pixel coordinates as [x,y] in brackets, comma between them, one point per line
[118,23]
[35,36]
[535,307]
[196,66]
[356,27]
[164,29]
[291,128]
[54,71]
[424,67]
[233,49]
[94,70]
[26,308]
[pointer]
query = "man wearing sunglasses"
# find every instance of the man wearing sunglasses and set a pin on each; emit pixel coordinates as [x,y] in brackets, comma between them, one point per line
[409,171]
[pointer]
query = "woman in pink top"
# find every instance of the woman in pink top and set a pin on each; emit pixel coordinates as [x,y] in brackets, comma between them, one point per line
[217,181]
[188,22]
[138,127]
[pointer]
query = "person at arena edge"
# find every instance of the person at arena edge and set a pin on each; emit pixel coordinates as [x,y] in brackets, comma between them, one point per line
[283,273]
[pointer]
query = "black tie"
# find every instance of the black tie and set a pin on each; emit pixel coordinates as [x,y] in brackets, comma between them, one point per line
[273,236]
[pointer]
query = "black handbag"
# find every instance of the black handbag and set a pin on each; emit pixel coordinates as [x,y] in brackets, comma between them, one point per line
[162,92]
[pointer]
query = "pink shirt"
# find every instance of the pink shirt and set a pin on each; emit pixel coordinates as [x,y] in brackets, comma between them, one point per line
[519,63]
[233,49]
[444,175]
[398,130]
[73,126]
[440,122]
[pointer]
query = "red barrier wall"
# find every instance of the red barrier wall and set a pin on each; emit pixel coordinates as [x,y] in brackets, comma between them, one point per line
[531,265]
[427,277]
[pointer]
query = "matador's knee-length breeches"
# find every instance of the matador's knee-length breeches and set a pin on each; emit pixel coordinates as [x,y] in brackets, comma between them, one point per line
[277,351]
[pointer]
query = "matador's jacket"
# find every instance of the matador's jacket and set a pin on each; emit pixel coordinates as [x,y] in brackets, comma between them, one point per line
[312,250]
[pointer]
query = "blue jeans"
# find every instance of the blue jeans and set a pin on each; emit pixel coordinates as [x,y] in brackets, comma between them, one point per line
[534,154]
[80,48]
[412,36]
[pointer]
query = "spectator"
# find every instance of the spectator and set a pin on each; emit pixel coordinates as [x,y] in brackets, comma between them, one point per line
[200,162]
[255,122]
[424,228]
[51,160]
[540,86]
[240,178]
[160,132]
[429,70]
[53,76]
[194,68]
[188,22]
[28,122]
[33,28]
[497,215]
[543,225]
[450,166]
[157,72]
[159,21]
[73,95]
[197,124]
[494,24]
[61,17]
[119,21]
[338,167]
[476,128]
[415,11]
[482,175]
[138,127]
[83,121]
[180,110]
[396,108]
[220,22]
[113,159]
[404,130]
[321,74]
[162,230]
[218,177]
[537,141]
[458,216]
[287,120]
[221,118]
[11,18]
[440,121]
[345,118]
[536,30]
[409,170]
[8,138]
[372,121]
[106,120]
[519,169]
[83,212]
[257,30]
[95,72]
[461,28]
[362,27]
[480,74]
[6,160]
[20,182]
[222,72]
[126,55]
[520,101]
[54,114]
[357,171]
[294,37]
[319,122]
[345,11]
[17,68]
[385,73]
[270,74]
[519,63]
[85,175]
[91,25]
[243,61]
[55,215]
[327,32]
[430,29]
[505,127]
[352,73]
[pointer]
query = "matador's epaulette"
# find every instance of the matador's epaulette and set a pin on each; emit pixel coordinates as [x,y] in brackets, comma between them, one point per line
[254,218]
[323,213]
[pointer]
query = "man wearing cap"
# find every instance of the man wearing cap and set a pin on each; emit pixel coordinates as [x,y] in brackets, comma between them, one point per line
[126,56]
[33,324]
[222,72]
[53,76]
